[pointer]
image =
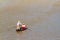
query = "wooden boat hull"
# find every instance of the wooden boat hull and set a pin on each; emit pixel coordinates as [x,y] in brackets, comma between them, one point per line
[21,29]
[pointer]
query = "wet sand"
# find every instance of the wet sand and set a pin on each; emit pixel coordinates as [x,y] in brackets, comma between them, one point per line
[41,16]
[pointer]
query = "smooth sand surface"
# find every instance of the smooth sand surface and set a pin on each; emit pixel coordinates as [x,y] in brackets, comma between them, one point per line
[42,17]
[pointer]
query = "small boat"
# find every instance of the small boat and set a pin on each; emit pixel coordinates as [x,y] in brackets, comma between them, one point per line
[21,29]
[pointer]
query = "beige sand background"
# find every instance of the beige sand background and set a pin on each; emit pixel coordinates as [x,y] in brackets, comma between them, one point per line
[41,16]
